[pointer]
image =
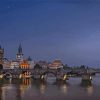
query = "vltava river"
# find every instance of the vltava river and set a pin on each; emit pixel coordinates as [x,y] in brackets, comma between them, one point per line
[34,90]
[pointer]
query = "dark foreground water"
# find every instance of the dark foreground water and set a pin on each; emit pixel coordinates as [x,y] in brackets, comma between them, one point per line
[34,90]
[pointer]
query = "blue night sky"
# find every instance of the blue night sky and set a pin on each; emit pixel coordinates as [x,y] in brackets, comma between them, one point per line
[48,29]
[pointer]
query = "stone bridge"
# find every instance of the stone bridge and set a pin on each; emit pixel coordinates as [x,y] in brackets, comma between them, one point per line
[35,74]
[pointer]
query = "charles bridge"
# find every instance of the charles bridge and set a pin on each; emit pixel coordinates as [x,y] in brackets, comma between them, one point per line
[43,74]
[34,73]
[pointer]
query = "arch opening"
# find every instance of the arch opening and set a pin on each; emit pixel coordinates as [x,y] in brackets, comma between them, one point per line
[49,77]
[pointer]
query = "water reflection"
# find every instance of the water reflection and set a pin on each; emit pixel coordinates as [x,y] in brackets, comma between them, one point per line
[42,88]
[10,92]
[63,87]
[25,84]
[86,83]
[88,87]
[13,89]
[90,90]
[25,89]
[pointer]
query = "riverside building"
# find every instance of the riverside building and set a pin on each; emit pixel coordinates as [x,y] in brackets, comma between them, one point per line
[1,55]
[56,64]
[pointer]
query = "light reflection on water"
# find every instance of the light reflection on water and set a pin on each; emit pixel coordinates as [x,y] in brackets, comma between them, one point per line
[63,88]
[29,89]
[90,90]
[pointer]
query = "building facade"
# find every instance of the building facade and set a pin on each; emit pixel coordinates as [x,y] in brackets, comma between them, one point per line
[25,65]
[14,64]
[56,64]
[1,55]
[6,64]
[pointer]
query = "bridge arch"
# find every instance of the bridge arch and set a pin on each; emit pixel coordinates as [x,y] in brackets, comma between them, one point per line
[48,76]
[48,72]
[7,75]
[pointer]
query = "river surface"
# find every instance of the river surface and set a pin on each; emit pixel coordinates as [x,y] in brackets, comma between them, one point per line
[34,90]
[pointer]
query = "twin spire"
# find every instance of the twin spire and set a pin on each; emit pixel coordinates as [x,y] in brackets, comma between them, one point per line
[19,55]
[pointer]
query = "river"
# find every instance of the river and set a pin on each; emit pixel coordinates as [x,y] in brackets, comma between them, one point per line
[35,90]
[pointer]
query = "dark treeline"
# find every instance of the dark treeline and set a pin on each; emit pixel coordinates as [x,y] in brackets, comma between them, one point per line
[67,67]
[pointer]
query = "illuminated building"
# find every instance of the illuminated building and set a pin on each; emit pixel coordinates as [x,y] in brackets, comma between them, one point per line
[1,55]
[6,64]
[14,64]
[24,65]
[56,64]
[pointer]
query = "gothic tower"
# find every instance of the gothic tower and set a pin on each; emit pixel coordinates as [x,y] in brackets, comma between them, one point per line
[1,55]
[19,55]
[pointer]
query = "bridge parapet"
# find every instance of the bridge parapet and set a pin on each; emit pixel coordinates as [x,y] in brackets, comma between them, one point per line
[32,72]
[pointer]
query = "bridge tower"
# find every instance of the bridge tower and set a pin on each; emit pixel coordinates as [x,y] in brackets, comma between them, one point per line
[1,55]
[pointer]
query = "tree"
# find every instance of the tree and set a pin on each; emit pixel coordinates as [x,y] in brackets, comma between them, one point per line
[65,67]
[37,66]
[82,67]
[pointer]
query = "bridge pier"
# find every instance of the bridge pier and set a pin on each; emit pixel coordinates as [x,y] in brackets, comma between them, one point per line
[62,77]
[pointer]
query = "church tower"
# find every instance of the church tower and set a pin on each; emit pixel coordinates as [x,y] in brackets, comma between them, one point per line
[1,55]
[19,55]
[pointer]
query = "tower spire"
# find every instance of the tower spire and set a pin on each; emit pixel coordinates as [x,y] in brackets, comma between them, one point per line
[19,55]
[20,51]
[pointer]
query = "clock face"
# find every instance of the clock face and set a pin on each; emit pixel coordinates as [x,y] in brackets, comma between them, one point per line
[18,56]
